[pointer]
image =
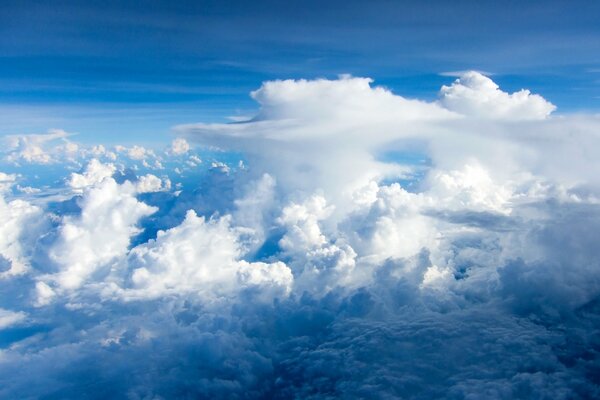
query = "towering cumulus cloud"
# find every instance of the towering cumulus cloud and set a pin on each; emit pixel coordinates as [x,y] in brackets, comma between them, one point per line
[323,134]
[477,95]
[365,245]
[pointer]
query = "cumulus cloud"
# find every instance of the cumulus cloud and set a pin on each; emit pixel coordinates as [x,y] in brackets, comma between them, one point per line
[474,94]
[16,215]
[19,218]
[392,226]
[371,246]
[322,133]
[101,233]
[139,154]
[179,146]
[200,257]
[39,149]
[150,183]
[318,263]
[470,188]
[100,150]
[95,172]
[338,135]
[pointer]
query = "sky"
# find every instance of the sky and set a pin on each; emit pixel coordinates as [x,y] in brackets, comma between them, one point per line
[130,69]
[299,200]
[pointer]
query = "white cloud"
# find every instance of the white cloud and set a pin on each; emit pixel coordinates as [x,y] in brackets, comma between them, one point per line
[194,161]
[392,226]
[198,257]
[39,149]
[325,137]
[18,217]
[44,294]
[319,263]
[476,95]
[6,181]
[137,153]
[321,134]
[94,173]
[15,216]
[149,183]
[329,134]
[254,210]
[101,234]
[302,222]
[9,318]
[469,188]
[179,146]
[28,189]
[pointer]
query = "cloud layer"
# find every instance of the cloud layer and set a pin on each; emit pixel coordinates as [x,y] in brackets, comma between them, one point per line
[345,243]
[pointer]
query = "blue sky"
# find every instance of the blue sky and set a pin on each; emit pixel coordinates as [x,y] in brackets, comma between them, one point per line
[299,200]
[129,70]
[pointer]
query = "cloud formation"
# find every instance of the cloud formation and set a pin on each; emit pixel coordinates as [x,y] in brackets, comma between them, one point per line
[36,148]
[337,135]
[474,94]
[367,246]
[19,222]
[198,257]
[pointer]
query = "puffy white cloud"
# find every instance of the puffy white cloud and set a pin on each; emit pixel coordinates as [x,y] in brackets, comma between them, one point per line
[149,183]
[137,153]
[94,173]
[15,216]
[101,234]
[198,257]
[476,95]
[302,222]
[18,218]
[488,149]
[39,149]
[322,133]
[179,146]
[330,135]
[98,151]
[392,226]
[348,97]
[319,264]
[471,188]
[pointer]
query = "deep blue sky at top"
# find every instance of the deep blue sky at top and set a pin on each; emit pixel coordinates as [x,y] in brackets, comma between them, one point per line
[126,70]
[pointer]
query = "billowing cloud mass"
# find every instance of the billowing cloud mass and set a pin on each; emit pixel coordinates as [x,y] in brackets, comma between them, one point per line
[474,94]
[17,218]
[346,242]
[179,146]
[201,258]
